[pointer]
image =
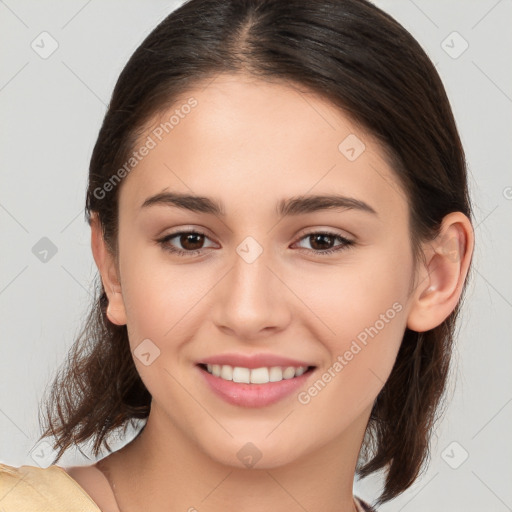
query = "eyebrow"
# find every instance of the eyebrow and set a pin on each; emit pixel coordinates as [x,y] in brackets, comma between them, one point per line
[297,205]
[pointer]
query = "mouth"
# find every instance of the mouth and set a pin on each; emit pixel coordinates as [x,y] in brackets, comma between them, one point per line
[263,375]
[254,387]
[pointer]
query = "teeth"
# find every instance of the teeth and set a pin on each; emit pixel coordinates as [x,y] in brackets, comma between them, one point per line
[299,371]
[289,373]
[226,372]
[241,375]
[276,374]
[256,375]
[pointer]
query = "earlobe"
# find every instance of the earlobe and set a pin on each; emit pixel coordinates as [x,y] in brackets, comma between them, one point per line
[106,264]
[116,312]
[440,286]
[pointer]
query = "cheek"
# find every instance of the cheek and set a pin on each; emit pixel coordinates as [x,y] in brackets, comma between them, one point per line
[162,300]
[357,295]
[147,280]
[365,310]
[368,328]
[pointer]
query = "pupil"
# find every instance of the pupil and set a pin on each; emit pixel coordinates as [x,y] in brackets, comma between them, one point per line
[323,238]
[188,237]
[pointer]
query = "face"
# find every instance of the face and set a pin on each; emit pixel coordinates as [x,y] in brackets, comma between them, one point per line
[256,280]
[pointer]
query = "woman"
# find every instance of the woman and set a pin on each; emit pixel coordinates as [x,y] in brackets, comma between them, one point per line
[280,218]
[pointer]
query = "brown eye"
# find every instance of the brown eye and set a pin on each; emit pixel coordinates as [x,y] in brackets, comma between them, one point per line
[190,241]
[322,242]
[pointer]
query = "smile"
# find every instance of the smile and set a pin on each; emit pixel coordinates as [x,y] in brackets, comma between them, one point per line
[254,387]
[255,375]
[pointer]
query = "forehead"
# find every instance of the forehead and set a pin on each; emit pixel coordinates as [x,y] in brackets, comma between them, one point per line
[249,142]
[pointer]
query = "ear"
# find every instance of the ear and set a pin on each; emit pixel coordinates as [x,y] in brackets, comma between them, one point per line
[441,281]
[107,267]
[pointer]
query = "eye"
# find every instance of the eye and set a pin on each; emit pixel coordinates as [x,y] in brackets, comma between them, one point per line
[321,238]
[192,241]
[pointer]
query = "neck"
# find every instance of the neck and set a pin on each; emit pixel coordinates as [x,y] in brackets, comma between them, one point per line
[162,469]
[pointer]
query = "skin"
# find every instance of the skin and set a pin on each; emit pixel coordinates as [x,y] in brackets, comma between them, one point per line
[249,144]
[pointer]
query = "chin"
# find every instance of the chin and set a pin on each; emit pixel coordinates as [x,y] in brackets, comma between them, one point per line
[253,453]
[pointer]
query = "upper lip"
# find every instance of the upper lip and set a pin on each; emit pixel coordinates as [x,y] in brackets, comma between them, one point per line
[253,361]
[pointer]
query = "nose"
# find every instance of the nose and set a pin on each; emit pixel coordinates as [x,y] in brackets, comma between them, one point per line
[252,300]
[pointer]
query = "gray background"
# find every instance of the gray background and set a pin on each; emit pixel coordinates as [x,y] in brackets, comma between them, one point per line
[51,111]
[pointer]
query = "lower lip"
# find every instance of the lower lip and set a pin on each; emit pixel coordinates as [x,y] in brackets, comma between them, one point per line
[253,395]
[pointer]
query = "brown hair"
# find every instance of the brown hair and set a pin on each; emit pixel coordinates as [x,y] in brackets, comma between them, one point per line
[367,64]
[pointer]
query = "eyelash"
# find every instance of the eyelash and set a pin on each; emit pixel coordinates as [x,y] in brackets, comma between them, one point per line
[164,242]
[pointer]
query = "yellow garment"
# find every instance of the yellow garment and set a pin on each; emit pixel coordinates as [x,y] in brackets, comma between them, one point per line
[35,489]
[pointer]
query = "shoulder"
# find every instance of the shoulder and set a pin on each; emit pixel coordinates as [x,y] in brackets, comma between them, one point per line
[364,506]
[37,489]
